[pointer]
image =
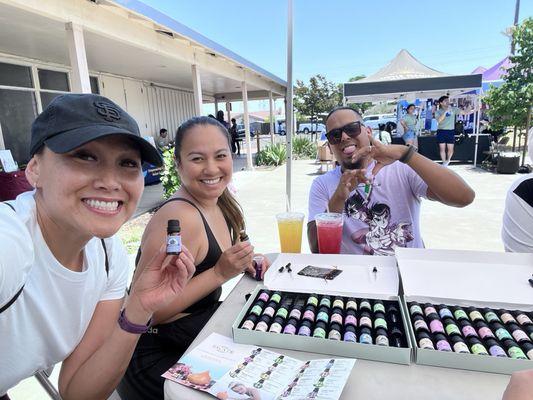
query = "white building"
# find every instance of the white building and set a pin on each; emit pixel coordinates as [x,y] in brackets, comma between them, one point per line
[157,69]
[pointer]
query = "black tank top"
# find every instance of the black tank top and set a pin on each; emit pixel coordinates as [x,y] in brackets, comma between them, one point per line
[213,254]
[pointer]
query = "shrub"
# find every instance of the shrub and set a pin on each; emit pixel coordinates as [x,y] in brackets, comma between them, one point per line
[302,147]
[272,155]
[169,177]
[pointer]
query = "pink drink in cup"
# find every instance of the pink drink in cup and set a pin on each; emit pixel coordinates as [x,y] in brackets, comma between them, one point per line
[329,232]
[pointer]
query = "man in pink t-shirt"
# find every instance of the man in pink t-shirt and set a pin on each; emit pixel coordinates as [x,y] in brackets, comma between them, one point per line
[385,214]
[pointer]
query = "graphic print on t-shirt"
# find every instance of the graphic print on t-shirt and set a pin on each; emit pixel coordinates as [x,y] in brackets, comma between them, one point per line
[382,236]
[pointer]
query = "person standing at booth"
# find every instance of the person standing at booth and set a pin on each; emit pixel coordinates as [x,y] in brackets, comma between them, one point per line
[445,116]
[409,125]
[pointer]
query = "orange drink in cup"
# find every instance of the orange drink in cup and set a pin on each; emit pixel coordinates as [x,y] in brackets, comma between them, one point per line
[290,231]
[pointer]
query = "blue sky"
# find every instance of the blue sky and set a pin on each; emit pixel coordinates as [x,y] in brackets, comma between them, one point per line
[344,38]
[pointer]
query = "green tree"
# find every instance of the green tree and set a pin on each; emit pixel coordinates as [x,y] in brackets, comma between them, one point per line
[361,107]
[318,96]
[511,103]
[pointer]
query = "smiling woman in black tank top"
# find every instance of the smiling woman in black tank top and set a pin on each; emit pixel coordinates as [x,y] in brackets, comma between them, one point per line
[210,220]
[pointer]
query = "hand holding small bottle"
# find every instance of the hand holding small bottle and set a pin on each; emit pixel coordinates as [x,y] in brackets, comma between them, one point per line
[234,261]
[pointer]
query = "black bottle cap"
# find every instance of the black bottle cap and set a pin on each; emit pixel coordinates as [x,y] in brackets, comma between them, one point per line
[470,309]
[320,324]
[432,316]
[480,324]
[448,321]
[496,325]
[337,310]
[464,322]
[422,335]
[323,309]
[265,318]
[491,342]
[251,317]
[381,331]
[508,343]
[418,318]
[292,321]
[439,336]
[279,320]
[173,226]
[243,237]
[526,346]
[472,340]
[306,323]
[364,314]
[335,326]
[365,330]
[351,312]
[310,307]
[349,328]
[513,327]
[379,314]
[456,339]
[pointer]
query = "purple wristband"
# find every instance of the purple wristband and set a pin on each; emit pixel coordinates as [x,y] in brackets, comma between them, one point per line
[131,327]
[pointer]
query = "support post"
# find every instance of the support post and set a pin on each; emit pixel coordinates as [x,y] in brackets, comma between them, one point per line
[272,122]
[246,117]
[81,82]
[197,89]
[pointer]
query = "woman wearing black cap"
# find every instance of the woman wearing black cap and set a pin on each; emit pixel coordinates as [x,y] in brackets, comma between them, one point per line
[62,271]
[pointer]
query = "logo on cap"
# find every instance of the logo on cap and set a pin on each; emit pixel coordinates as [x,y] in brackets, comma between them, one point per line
[107,110]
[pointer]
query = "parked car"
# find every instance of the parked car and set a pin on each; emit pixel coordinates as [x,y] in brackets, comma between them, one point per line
[151,174]
[254,127]
[306,127]
[373,121]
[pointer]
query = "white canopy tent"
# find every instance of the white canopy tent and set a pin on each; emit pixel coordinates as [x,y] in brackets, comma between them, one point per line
[407,78]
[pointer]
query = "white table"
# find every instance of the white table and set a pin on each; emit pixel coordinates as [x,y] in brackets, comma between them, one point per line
[369,379]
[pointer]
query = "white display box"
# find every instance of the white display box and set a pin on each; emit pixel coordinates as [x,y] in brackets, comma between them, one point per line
[356,280]
[466,278]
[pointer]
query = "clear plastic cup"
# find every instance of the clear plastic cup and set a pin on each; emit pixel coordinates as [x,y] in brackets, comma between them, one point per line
[329,232]
[290,231]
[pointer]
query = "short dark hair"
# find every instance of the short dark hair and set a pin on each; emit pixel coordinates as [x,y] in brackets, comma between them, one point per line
[339,108]
[409,106]
[442,98]
[163,130]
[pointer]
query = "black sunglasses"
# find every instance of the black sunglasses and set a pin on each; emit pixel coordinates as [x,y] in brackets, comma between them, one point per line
[353,129]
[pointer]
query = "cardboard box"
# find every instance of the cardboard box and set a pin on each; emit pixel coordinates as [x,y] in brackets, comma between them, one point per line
[324,153]
[466,278]
[356,280]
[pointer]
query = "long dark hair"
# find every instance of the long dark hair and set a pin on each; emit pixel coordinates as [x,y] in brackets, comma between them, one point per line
[230,207]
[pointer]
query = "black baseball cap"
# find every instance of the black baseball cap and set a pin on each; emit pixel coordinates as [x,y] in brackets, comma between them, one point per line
[72,120]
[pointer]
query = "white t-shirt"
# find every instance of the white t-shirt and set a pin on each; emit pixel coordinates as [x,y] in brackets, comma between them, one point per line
[48,320]
[379,223]
[517,229]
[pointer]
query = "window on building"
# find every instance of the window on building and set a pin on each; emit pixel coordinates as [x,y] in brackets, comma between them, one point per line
[15,75]
[53,80]
[94,85]
[18,109]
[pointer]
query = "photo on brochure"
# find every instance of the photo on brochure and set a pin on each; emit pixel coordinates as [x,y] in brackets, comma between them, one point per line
[205,364]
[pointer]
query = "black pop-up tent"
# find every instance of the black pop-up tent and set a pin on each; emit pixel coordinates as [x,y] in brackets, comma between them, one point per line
[407,78]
